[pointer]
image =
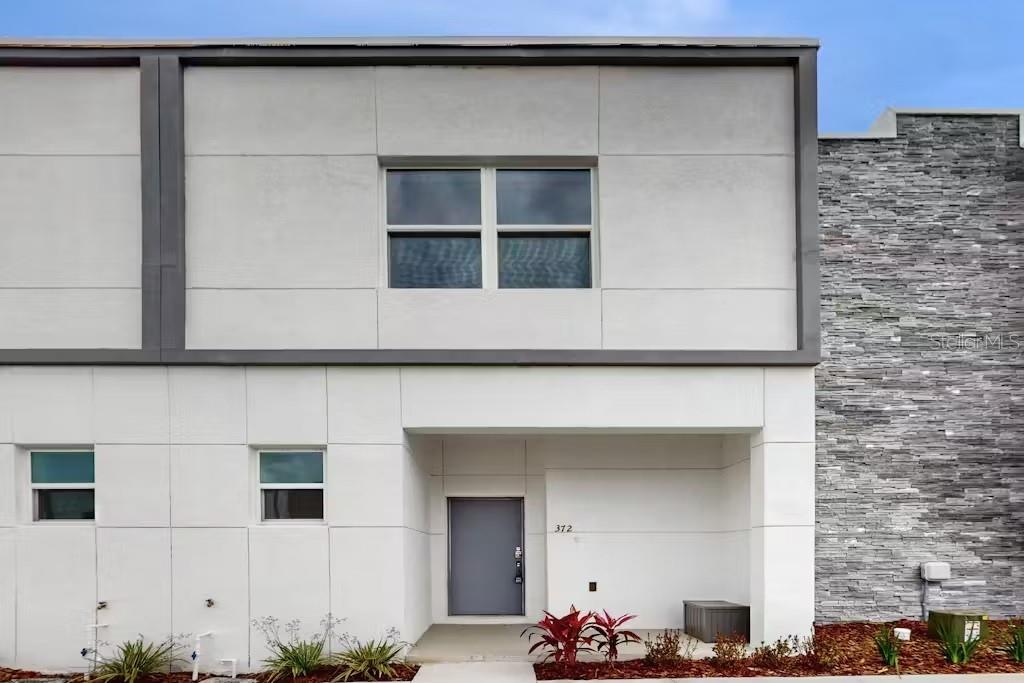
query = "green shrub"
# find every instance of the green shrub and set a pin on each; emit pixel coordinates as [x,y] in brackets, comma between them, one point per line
[822,651]
[374,660]
[664,648]
[889,646]
[134,659]
[294,656]
[956,649]
[729,649]
[776,655]
[1014,645]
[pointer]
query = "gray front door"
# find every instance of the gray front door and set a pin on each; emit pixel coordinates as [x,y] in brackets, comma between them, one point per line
[485,556]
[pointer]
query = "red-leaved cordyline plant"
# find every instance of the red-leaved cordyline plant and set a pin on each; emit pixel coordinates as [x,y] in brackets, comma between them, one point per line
[562,637]
[609,634]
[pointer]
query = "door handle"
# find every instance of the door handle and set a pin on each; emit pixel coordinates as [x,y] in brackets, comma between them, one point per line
[519,564]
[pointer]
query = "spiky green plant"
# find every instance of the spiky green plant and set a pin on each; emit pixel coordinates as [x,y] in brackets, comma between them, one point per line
[374,660]
[1014,645]
[294,658]
[134,659]
[955,648]
[889,646]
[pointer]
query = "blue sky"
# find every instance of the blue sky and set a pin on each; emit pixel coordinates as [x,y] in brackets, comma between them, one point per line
[905,53]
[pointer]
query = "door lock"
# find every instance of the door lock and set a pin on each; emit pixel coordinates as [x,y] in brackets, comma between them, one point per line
[519,564]
[519,553]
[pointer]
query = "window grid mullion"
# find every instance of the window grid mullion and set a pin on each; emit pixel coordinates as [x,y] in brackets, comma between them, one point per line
[489,237]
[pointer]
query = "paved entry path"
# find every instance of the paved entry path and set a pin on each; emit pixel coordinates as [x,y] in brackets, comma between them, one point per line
[476,672]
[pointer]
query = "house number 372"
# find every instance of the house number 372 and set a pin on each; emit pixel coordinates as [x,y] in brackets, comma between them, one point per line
[563,528]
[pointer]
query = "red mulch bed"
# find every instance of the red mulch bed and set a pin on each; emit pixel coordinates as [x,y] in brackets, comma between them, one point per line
[853,641]
[405,673]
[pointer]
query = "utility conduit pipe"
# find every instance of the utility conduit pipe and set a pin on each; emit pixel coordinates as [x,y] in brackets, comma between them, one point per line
[196,652]
[92,630]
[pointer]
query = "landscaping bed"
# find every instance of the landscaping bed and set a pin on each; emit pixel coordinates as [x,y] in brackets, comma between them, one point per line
[840,649]
[402,673]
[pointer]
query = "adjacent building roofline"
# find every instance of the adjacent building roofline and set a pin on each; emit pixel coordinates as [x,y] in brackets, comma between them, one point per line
[884,127]
[417,41]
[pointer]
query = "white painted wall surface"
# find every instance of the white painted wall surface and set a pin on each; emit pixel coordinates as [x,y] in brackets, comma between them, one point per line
[70,208]
[176,495]
[695,208]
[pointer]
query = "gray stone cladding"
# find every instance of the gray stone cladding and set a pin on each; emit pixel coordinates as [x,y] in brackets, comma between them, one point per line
[920,397]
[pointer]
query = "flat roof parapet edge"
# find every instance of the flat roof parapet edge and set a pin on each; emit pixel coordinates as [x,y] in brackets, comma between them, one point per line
[415,41]
[884,127]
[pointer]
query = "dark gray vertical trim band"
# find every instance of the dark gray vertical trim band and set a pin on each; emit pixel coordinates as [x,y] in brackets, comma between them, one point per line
[149,150]
[808,278]
[172,204]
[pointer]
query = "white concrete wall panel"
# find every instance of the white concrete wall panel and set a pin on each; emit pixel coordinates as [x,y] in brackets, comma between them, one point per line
[211,485]
[368,579]
[365,485]
[280,586]
[207,405]
[279,110]
[10,485]
[131,405]
[134,485]
[70,221]
[697,110]
[56,578]
[573,398]
[282,222]
[70,110]
[782,475]
[364,405]
[212,564]
[70,318]
[51,405]
[788,405]
[481,319]
[8,596]
[286,406]
[6,398]
[782,582]
[484,455]
[697,222]
[417,584]
[281,319]
[487,110]
[700,319]
[134,579]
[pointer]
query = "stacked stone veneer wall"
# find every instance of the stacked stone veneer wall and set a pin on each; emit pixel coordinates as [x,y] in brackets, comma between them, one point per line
[921,394]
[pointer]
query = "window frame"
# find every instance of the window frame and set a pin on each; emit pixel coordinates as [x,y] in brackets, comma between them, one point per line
[261,486]
[489,228]
[34,487]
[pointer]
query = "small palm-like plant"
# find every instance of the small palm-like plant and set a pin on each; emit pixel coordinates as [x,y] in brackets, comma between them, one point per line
[956,649]
[609,634]
[1014,645]
[293,656]
[562,637]
[374,660]
[133,660]
[889,646]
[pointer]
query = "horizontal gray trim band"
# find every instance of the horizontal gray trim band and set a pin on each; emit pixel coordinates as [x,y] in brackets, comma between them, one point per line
[508,160]
[402,357]
[408,55]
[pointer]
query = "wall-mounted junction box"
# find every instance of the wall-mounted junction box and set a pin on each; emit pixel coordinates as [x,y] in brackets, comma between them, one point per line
[935,571]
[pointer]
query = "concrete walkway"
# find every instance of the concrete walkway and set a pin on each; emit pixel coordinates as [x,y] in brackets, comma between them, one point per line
[476,672]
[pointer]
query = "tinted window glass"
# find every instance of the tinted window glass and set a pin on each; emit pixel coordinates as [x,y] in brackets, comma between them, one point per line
[65,504]
[528,260]
[444,260]
[68,467]
[293,504]
[544,197]
[292,468]
[418,197]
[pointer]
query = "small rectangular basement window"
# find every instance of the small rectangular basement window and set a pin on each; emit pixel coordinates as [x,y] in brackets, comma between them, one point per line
[291,484]
[63,485]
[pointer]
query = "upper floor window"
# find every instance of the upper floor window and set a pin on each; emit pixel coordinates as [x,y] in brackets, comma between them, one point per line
[512,228]
[63,485]
[291,484]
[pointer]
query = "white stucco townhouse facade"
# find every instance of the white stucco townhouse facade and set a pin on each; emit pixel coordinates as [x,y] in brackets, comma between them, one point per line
[411,332]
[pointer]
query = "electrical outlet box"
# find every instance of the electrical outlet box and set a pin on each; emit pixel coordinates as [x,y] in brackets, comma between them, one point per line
[935,571]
